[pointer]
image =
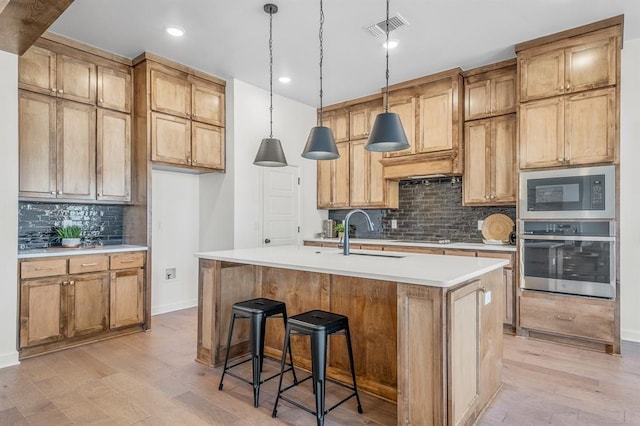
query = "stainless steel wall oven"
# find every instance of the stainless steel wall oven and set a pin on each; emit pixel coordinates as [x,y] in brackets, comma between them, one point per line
[570,257]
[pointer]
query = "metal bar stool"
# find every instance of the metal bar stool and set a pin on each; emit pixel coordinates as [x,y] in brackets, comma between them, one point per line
[319,325]
[257,311]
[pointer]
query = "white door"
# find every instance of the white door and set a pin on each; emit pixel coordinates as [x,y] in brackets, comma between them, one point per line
[281,197]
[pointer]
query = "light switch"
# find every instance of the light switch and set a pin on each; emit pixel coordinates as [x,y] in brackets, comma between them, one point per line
[480,223]
[394,224]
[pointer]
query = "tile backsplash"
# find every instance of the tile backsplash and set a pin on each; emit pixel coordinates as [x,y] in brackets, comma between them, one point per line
[37,222]
[428,209]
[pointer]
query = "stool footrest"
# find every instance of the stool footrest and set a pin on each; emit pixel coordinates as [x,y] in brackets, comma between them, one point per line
[308,410]
[232,374]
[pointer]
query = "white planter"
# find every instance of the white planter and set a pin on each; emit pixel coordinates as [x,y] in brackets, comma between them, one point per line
[71,242]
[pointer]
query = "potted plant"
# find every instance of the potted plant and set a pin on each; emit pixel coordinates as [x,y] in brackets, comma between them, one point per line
[339,228]
[69,235]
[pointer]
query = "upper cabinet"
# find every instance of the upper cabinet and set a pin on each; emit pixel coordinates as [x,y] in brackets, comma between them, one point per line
[430,109]
[333,180]
[569,94]
[361,119]
[185,113]
[490,93]
[338,121]
[75,124]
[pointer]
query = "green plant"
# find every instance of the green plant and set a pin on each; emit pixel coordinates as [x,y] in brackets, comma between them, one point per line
[339,227]
[71,231]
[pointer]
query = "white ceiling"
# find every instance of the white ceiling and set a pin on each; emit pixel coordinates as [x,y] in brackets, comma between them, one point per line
[230,38]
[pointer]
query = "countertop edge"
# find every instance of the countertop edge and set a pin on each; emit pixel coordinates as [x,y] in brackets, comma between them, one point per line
[462,246]
[60,252]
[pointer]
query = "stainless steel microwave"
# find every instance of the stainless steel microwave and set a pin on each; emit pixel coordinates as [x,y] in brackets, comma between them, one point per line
[580,193]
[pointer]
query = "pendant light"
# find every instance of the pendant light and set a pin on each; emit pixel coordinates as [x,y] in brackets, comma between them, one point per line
[320,143]
[387,133]
[270,153]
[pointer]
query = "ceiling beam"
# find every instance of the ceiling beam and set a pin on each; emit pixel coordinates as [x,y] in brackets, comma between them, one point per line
[23,21]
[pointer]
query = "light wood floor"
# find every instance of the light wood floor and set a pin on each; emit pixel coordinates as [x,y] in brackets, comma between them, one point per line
[152,379]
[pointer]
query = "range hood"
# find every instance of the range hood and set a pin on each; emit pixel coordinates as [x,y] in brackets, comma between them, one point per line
[420,166]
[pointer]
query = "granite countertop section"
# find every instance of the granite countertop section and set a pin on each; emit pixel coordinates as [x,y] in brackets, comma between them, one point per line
[422,269]
[461,246]
[63,251]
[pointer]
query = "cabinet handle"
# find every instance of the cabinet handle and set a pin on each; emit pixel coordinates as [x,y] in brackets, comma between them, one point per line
[99,194]
[38,268]
[53,192]
[65,283]
[560,88]
[126,261]
[72,283]
[568,86]
[564,317]
[53,89]
[483,289]
[59,192]
[89,264]
[100,100]
[560,159]
[60,91]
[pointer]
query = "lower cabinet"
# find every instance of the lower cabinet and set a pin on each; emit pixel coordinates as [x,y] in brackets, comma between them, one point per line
[78,299]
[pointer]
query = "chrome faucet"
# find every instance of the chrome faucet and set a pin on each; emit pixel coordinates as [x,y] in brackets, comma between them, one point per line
[345,248]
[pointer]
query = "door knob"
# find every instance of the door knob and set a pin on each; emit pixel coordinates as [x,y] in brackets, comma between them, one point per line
[267,241]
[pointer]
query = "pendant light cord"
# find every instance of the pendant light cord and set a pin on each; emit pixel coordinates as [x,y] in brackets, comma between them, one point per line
[321,56]
[270,74]
[386,105]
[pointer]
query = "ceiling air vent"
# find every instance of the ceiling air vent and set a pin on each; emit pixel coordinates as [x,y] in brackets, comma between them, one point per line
[380,29]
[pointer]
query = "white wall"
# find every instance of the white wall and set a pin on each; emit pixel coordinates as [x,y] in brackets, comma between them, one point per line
[629,195]
[8,207]
[291,124]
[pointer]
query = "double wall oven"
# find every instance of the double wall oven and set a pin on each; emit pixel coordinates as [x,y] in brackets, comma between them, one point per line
[567,231]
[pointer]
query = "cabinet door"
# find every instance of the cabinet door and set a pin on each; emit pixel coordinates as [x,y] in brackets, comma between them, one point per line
[508,296]
[126,297]
[114,89]
[170,139]
[541,75]
[503,94]
[591,65]
[76,127]
[338,122]
[88,304]
[76,79]
[324,183]
[42,311]
[406,110]
[477,99]
[207,103]
[358,177]
[377,186]
[464,349]
[37,140]
[340,190]
[503,159]
[590,127]
[113,157]
[477,173]
[170,94]
[542,133]
[37,70]
[358,123]
[207,146]
[436,121]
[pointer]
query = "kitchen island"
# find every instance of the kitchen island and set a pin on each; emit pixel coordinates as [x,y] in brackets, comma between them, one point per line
[426,329]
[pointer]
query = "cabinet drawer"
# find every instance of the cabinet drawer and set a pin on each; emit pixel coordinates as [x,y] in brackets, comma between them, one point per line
[496,255]
[43,268]
[92,263]
[127,260]
[454,252]
[569,316]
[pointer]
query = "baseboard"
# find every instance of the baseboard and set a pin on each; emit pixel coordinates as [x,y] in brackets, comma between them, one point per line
[163,309]
[630,335]
[8,359]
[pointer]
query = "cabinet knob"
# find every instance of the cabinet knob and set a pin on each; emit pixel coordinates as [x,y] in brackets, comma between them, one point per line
[568,86]
[194,161]
[99,194]
[100,100]
[53,192]
[560,88]
[60,91]
[560,159]
[59,192]
[53,89]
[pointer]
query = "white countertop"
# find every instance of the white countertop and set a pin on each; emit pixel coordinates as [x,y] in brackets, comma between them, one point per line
[422,269]
[407,243]
[63,251]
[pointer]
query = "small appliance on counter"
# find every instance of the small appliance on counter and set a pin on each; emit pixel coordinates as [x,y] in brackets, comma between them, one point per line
[329,228]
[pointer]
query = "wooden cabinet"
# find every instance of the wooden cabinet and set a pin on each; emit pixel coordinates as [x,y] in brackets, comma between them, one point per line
[333,179]
[570,65]
[368,188]
[431,110]
[569,130]
[570,316]
[77,299]
[361,119]
[490,154]
[338,121]
[57,148]
[187,115]
[490,91]
[69,148]
[569,110]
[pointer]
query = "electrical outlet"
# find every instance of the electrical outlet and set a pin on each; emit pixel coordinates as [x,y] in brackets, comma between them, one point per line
[480,223]
[394,224]
[487,297]
[170,274]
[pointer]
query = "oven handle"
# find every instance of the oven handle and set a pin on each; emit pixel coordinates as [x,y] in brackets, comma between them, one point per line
[565,238]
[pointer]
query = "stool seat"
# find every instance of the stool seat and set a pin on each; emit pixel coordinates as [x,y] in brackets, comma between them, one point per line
[257,311]
[318,325]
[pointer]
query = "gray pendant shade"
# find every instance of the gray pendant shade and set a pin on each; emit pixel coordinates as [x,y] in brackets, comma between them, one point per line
[387,134]
[320,145]
[270,154]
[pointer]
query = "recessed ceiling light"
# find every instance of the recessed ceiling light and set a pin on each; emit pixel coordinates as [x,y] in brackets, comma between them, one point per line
[175,30]
[284,80]
[392,44]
